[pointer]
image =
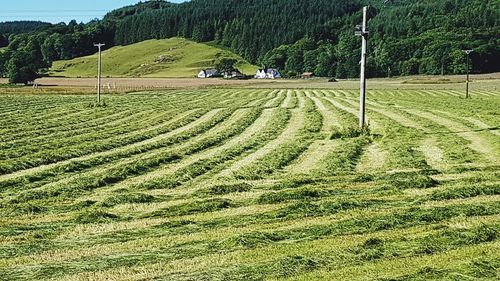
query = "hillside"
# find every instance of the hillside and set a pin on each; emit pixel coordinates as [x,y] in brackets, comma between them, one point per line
[407,37]
[175,57]
[17,27]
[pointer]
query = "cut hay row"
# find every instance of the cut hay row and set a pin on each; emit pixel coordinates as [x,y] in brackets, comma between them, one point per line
[276,101]
[52,142]
[101,175]
[170,129]
[70,126]
[293,127]
[142,145]
[257,184]
[238,120]
[251,131]
[477,143]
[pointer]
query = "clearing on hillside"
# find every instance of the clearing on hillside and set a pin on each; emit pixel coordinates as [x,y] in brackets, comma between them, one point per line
[250,184]
[174,58]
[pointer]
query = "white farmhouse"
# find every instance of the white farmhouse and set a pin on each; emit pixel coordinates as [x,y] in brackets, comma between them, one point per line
[267,73]
[261,74]
[207,73]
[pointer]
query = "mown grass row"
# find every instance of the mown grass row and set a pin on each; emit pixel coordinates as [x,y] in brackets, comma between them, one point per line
[332,223]
[371,250]
[19,151]
[33,180]
[289,150]
[106,142]
[271,131]
[100,118]
[33,127]
[96,134]
[71,122]
[115,174]
[39,119]
[455,149]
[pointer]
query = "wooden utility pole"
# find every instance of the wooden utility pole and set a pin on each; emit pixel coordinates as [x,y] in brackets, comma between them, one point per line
[467,52]
[99,73]
[361,30]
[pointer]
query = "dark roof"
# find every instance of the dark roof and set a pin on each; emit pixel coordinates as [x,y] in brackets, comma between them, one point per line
[268,70]
[211,71]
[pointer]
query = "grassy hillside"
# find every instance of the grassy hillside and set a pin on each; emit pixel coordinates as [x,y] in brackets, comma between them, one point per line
[175,57]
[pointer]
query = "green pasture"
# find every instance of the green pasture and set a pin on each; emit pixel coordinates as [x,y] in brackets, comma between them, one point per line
[171,58]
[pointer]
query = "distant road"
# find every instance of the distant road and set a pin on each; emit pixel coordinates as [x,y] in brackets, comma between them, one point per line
[480,82]
[484,81]
[142,82]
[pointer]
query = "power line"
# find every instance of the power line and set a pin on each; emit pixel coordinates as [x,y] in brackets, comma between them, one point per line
[99,45]
[467,53]
[363,32]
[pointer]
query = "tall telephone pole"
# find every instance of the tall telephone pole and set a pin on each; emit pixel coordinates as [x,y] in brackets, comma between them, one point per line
[361,30]
[100,45]
[467,52]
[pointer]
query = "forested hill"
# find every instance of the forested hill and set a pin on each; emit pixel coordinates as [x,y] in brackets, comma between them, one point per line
[16,27]
[407,37]
[252,27]
[10,28]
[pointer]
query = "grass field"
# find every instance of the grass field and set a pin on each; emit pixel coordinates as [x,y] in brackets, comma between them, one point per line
[175,57]
[250,184]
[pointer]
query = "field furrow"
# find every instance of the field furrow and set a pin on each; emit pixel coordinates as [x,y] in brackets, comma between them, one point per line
[477,142]
[251,184]
[138,145]
[292,129]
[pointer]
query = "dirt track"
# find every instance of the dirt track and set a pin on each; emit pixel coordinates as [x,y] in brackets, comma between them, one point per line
[121,85]
[145,82]
[482,81]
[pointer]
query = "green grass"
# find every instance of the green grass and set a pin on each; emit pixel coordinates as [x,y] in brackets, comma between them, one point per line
[247,184]
[174,58]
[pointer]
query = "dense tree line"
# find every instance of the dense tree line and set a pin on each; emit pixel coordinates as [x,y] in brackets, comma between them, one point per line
[33,46]
[11,28]
[141,7]
[30,53]
[427,37]
[250,27]
[4,41]
[406,37]
[17,27]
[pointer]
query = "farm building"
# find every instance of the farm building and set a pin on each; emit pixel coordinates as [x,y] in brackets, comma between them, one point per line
[267,73]
[207,73]
[307,75]
[233,74]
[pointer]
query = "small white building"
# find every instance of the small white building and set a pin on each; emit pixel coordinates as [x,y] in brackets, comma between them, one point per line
[267,73]
[207,73]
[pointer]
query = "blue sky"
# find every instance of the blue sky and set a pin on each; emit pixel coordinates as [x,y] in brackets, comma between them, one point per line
[56,11]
